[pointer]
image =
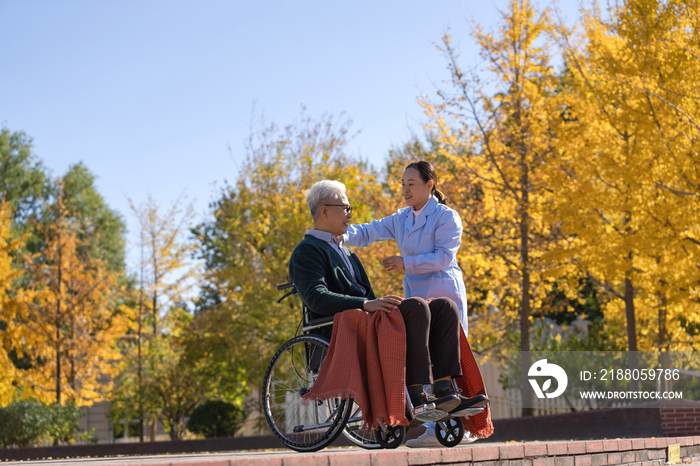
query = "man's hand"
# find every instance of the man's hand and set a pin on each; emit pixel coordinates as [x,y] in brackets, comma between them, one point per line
[393,263]
[386,304]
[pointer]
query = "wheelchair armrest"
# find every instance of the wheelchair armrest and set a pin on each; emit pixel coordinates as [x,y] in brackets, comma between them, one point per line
[318,323]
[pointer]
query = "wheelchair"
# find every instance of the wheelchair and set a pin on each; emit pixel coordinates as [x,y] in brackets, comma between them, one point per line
[308,426]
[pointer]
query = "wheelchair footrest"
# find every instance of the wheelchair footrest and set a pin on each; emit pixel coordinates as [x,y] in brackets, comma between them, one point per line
[431,415]
[469,412]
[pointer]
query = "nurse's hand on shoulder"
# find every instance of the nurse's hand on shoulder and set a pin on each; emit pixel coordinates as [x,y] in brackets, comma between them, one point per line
[393,263]
[386,304]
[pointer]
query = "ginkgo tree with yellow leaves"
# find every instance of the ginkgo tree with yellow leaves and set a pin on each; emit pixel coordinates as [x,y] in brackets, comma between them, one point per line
[499,137]
[583,175]
[166,269]
[629,167]
[166,273]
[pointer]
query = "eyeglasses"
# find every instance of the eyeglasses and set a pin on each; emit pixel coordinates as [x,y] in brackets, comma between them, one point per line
[347,208]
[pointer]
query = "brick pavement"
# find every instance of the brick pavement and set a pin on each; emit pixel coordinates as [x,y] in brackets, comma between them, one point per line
[633,452]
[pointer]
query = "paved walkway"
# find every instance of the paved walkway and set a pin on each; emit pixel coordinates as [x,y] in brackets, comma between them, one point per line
[637,452]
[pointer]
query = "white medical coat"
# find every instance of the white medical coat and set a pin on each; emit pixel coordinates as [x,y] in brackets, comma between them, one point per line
[428,247]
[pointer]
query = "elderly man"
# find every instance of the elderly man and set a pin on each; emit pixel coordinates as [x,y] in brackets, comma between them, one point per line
[330,279]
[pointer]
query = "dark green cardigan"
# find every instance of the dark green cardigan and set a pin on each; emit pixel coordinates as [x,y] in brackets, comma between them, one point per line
[324,281]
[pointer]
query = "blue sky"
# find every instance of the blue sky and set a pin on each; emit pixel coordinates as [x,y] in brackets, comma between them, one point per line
[156,96]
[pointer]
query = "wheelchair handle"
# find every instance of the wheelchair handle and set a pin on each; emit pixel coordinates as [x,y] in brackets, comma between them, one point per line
[289,293]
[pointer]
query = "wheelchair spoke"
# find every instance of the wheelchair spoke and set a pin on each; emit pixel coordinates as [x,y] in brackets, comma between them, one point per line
[353,431]
[304,425]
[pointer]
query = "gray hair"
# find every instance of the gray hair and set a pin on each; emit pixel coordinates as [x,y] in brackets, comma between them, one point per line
[321,192]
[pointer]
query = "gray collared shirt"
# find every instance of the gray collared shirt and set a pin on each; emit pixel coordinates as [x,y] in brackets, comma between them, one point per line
[335,244]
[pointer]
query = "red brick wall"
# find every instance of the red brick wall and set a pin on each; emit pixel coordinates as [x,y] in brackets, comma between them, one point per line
[594,424]
[673,418]
[680,418]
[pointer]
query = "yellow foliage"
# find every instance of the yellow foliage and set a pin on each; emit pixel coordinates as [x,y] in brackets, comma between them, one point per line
[498,153]
[257,222]
[67,321]
[589,173]
[166,272]
[628,167]
[8,305]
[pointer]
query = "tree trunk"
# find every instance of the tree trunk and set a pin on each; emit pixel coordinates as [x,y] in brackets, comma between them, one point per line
[58,325]
[155,285]
[58,358]
[58,330]
[663,331]
[527,410]
[666,385]
[138,342]
[631,330]
[526,361]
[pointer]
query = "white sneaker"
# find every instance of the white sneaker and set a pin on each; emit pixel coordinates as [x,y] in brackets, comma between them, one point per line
[427,440]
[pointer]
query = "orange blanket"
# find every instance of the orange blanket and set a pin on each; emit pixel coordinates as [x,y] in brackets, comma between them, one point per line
[356,367]
[471,384]
[366,361]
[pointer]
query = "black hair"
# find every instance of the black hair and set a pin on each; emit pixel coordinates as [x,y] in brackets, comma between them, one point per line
[427,173]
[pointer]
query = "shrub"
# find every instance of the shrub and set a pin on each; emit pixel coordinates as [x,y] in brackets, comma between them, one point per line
[24,423]
[89,436]
[27,422]
[63,423]
[215,419]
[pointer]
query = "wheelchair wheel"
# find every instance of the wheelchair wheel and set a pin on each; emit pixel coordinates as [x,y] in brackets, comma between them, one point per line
[301,425]
[392,438]
[449,432]
[361,438]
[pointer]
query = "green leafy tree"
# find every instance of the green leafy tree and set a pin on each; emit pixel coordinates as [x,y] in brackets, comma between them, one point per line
[172,381]
[165,274]
[23,178]
[256,222]
[102,228]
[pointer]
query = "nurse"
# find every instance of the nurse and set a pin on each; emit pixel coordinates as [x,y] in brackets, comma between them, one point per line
[428,234]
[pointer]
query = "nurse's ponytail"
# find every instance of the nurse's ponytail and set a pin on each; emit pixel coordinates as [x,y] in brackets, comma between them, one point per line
[427,173]
[440,197]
